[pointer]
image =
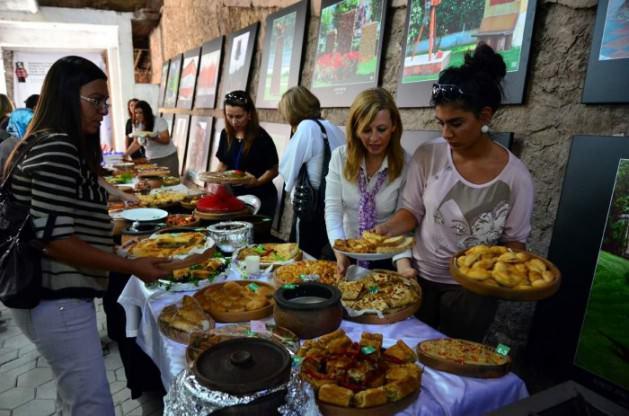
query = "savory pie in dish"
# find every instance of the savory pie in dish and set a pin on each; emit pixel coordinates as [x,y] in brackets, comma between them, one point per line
[169,244]
[235,296]
[179,321]
[381,291]
[271,252]
[371,242]
[322,270]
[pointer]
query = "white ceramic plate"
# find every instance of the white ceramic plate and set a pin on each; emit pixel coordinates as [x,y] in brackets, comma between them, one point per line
[144,214]
[371,256]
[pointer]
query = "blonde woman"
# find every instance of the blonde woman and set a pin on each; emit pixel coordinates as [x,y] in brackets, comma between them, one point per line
[367,175]
[309,149]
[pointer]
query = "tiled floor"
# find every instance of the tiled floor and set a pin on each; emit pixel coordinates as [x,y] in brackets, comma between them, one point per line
[27,385]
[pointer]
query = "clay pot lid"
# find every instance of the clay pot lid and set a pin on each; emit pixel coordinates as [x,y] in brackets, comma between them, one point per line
[288,296]
[243,366]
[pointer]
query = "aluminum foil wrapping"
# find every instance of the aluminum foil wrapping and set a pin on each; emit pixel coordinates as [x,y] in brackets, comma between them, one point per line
[189,398]
[300,398]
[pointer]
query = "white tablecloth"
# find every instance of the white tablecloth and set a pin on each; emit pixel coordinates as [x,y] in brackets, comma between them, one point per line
[441,393]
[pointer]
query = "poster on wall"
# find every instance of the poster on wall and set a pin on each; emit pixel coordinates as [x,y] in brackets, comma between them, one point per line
[606,80]
[180,137]
[172,83]
[349,47]
[239,53]
[219,125]
[188,78]
[198,150]
[440,32]
[162,84]
[207,82]
[281,56]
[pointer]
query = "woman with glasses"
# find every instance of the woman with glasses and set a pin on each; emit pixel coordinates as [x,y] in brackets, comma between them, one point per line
[157,144]
[57,181]
[306,150]
[462,190]
[247,147]
[366,176]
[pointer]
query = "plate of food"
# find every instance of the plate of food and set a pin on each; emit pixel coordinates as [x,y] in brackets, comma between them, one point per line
[322,271]
[161,199]
[194,276]
[228,177]
[170,181]
[360,378]
[144,214]
[504,273]
[462,357]
[271,254]
[372,246]
[380,297]
[178,321]
[182,220]
[237,300]
[158,171]
[143,133]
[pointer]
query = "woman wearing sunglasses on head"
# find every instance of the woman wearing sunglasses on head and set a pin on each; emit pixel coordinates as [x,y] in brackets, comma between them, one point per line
[247,147]
[158,146]
[462,190]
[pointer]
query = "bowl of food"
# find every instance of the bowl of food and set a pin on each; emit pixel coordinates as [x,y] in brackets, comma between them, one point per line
[182,220]
[231,235]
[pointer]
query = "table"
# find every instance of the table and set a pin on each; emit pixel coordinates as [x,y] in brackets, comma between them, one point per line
[441,393]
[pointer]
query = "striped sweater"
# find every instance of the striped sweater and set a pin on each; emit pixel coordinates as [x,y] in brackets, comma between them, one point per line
[54,182]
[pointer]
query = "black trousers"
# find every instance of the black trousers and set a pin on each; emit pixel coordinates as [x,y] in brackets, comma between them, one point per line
[313,236]
[455,311]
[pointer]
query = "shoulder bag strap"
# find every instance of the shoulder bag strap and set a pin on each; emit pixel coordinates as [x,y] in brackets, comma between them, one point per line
[326,155]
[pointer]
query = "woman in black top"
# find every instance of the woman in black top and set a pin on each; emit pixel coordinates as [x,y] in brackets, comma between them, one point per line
[129,129]
[246,146]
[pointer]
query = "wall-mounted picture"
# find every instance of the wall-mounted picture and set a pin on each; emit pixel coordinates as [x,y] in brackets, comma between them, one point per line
[440,32]
[207,82]
[219,125]
[198,149]
[281,56]
[172,84]
[239,50]
[169,117]
[349,48]
[606,80]
[162,84]
[280,133]
[180,137]
[188,78]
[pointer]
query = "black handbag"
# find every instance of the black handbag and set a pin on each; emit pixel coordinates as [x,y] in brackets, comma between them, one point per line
[308,202]
[20,250]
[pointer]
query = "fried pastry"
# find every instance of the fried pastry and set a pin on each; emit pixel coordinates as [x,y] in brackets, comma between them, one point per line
[401,352]
[371,340]
[351,290]
[398,389]
[370,397]
[333,394]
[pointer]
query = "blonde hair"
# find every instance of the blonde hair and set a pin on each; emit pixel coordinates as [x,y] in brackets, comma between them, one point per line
[6,106]
[298,104]
[362,113]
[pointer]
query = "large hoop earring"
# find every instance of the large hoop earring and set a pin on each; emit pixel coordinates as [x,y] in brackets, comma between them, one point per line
[484,129]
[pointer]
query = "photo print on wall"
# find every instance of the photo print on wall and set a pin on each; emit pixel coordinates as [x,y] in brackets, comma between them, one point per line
[207,82]
[239,50]
[172,85]
[198,149]
[188,78]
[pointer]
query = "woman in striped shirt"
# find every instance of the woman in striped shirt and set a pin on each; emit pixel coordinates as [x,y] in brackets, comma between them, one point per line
[58,180]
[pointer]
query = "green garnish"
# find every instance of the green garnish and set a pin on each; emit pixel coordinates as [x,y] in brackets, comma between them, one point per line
[289,286]
[367,349]
[253,287]
[259,249]
[196,267]
[373,289]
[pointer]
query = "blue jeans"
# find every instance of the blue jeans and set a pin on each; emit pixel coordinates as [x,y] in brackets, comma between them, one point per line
[66,335]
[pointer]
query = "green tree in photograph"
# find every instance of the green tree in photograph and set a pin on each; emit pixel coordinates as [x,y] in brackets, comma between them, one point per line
[616,231]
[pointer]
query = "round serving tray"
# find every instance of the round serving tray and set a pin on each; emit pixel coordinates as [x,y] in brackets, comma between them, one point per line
[296,277]
[238,316]
[175,334]
[265,264]
[506,293]
[213,216]
[465,369]
[223,179]
[387,409]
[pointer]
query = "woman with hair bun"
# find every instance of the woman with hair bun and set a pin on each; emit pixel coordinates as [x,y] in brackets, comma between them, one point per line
[462,190]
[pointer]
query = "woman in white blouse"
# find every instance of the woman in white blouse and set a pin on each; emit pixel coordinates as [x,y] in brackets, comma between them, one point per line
[367,175]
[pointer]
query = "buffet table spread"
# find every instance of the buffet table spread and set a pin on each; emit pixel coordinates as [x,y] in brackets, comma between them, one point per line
[441,393]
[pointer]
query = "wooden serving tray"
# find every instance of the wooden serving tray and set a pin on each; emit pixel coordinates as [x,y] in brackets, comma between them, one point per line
[222,179]
[465,369]
[506,293]
[238,316]
[212,216]
[382,410]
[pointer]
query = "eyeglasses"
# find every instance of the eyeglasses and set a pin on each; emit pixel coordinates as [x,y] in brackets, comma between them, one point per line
[447,91]
[237,98]
[101,104]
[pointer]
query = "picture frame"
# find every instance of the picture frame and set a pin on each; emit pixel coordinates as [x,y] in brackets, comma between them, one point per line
[280,133]
[349,50]
[239,49]
[172,85]
[188,78]
[169,117]
[606,80]
[431,44]
[162,84]
[180,137]
[219,125]
[579,247]
[198,147]
[209,73]
[282,53]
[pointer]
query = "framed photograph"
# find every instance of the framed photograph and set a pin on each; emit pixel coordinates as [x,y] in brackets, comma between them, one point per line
[440,32]
[162,84]
[239,49]
[198,149]
[583,328]
[349,47]
[169,120]
[207,82]
[219,125]
[606,80]
[188,79]
[172,84]
[280,133]
[180,137]
[282,53]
